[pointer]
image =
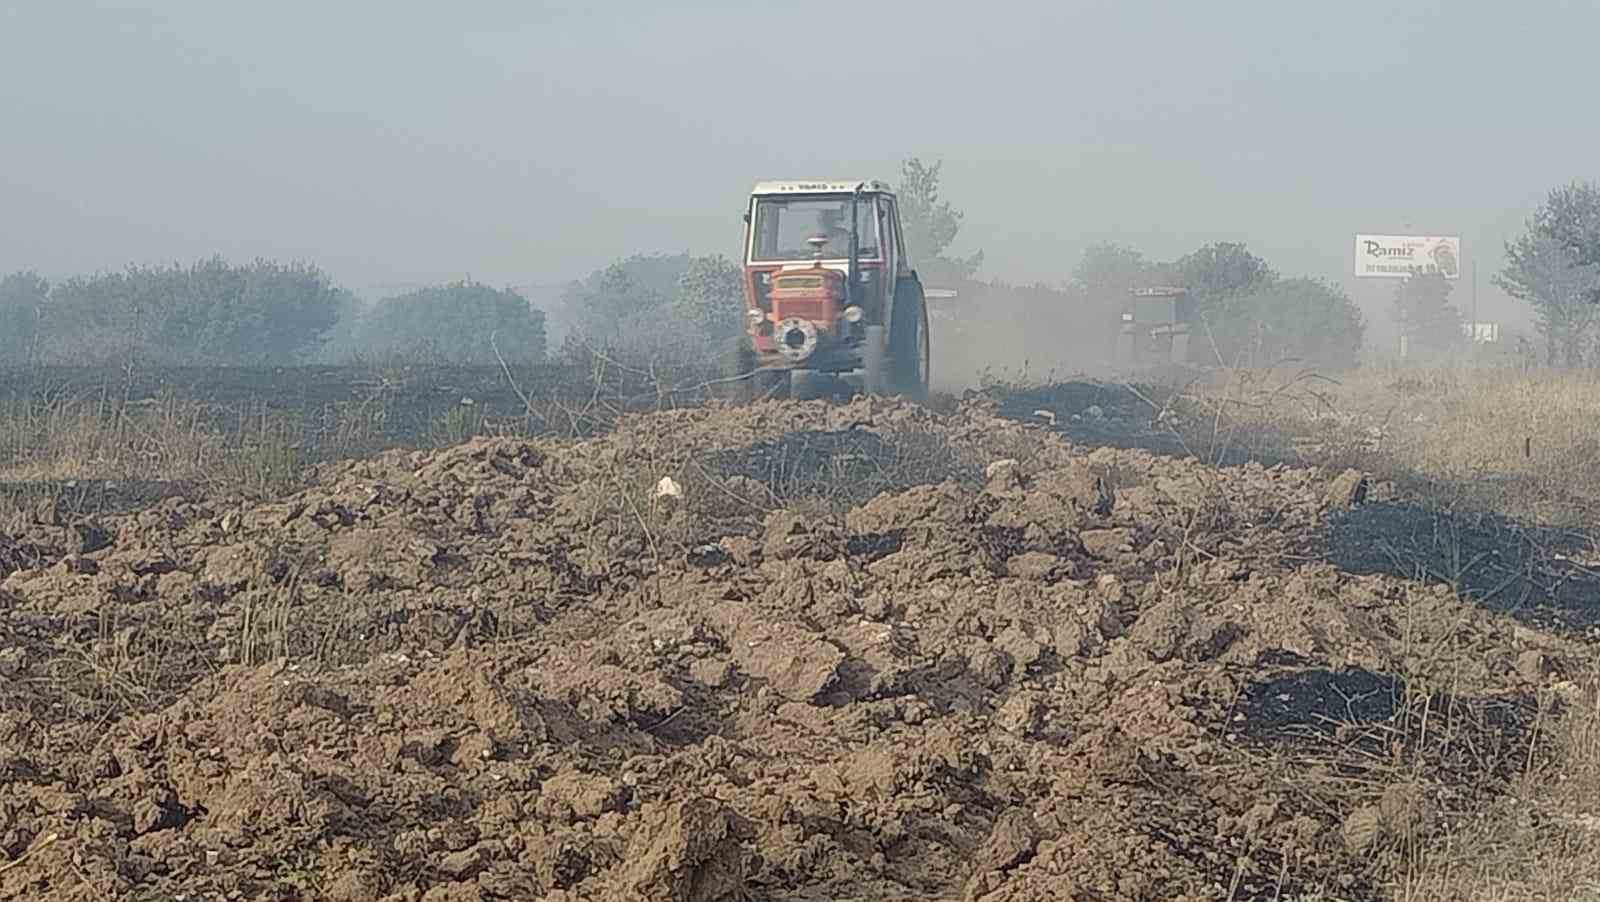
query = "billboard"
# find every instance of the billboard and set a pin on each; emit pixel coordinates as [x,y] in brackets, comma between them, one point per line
[1400,256]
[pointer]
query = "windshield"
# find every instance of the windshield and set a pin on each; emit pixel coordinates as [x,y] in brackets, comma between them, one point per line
[783,225]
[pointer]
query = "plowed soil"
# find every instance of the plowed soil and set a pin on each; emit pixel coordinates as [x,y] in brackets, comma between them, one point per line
[802,651]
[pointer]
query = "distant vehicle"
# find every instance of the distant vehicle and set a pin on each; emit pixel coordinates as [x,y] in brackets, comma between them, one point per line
[829,290]
[1155,327]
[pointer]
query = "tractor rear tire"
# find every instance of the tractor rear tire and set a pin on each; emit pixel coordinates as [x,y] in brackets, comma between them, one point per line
[875,361]
[909,343]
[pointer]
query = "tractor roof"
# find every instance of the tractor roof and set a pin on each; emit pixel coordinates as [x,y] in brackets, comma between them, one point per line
[821,186]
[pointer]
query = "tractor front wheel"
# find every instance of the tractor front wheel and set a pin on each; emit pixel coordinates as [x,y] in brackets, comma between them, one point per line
[749,382]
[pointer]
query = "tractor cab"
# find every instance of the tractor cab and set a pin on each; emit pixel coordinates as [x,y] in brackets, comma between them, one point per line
[829,288]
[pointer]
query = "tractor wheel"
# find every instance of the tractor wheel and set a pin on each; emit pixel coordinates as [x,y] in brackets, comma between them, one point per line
[909,343]
[875,361]
[748,382]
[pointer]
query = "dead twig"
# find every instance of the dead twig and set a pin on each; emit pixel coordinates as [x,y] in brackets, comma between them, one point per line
[43,844]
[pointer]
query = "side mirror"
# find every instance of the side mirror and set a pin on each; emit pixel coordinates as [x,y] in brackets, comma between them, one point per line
[747,217]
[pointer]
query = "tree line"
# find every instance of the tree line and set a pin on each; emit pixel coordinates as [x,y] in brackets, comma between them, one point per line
[675,307]
[267,313]
[262,313]
[1553,266]
[642,309]
[667,306]
[645,307]
[1242,311]
[682,306]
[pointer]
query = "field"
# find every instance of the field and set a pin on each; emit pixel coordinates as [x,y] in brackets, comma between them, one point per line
[404,633]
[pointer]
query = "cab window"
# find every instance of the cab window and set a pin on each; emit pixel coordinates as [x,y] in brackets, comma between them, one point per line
[784,225]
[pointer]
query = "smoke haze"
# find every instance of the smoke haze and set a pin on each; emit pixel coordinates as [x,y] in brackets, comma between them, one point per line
[532,143]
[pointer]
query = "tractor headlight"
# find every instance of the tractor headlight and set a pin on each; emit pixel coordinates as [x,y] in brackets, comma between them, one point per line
[852,314]
[1127,317]
[755,316]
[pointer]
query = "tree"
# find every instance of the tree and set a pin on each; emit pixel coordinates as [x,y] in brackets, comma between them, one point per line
[614,303]
[1543,271]
[1107,272]
[1554,267]
[23,297]
[711,298]
[342,340]
[930,226]
[677,308]
[1221,280]
[1300,319]
[1571,216]
[269,311]
[1217,274]
[1426,317]
[460,323]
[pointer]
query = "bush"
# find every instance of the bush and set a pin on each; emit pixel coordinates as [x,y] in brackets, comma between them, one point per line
[647,309]
[452,324]
[210,313]
[610,305]
[1300,319]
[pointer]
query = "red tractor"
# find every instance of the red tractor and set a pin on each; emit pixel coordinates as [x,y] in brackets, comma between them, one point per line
[829,292]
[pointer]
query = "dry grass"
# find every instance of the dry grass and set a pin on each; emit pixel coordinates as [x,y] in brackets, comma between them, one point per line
[1540,843]
[1502,442]
[258,448]
[125,426]
[1522,444]
[55,440]
[1529,444]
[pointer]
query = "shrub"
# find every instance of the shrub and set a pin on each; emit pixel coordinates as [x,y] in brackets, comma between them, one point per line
[209,313]
[454,324]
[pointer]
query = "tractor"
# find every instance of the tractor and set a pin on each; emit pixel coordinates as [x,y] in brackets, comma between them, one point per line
[830,296]
[1155,328]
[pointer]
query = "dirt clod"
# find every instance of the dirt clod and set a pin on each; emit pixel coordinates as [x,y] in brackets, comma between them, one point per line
[1347,490]
[1011,842]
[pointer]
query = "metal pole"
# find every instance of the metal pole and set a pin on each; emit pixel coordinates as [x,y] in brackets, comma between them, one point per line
[1474,300]
[1405,315]
[853,271]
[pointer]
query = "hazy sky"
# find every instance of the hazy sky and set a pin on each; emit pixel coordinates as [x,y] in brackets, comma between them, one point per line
[529,142]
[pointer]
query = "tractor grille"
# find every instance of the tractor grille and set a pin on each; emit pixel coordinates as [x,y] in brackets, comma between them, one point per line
[806,308]
[790,283]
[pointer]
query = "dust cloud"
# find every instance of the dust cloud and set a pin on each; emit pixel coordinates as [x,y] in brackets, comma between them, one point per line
[992,332]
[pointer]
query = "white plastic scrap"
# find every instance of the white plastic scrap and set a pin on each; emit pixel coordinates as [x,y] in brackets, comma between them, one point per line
[998,467]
